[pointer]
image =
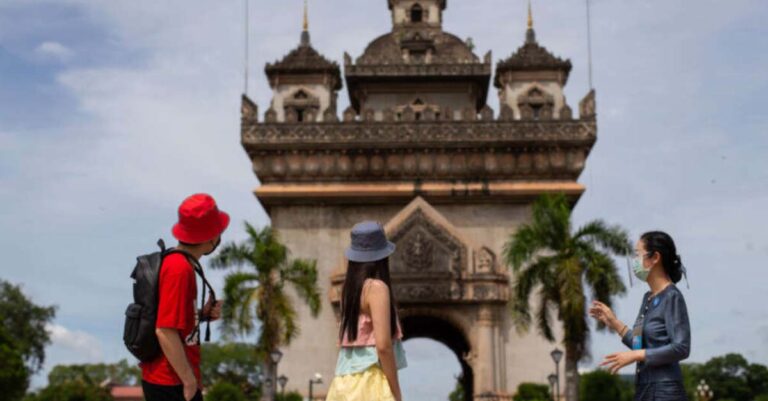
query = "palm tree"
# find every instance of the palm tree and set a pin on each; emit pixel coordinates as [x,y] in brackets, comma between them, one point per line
[256,290]
[547,257]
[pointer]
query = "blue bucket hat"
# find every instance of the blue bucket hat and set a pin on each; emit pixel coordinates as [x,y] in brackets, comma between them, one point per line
[369,243]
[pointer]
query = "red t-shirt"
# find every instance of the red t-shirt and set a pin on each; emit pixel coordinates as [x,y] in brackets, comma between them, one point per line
[176,310]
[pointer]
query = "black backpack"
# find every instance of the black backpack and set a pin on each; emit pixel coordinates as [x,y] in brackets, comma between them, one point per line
[140,317]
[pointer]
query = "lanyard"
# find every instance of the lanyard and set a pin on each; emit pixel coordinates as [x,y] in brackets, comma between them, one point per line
[637,331]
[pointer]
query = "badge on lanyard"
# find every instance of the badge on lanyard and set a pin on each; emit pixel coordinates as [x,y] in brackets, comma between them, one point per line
[637,337]
[637,331]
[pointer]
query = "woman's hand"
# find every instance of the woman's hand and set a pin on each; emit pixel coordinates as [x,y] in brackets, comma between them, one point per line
[618,360]
[604,314]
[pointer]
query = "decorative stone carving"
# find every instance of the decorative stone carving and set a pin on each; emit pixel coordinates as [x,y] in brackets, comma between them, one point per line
[587,106]
[486,113]
[566,113]
[329,116]
[291,116]
[248,110]
[536,104]
[485,261]
[427,248]
[446,114]
[469,114]
[408,114]
[418,254]
[389,115]
[483,292]
[369,115]
[507,114]
[270,116]
[429,114]
[310,116]
[349,114]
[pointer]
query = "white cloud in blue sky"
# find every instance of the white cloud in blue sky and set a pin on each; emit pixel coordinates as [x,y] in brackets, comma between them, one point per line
[54,50]
[100,143]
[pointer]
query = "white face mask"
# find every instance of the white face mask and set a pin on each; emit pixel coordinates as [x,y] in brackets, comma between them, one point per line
[640,271]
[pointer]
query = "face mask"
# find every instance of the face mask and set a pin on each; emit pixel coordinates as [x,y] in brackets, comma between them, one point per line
[214,247]
[640,272]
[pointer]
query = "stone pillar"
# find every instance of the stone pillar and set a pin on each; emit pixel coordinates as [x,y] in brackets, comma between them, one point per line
[483,369]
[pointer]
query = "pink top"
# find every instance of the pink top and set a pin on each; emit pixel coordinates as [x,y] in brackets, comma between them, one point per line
[365,337]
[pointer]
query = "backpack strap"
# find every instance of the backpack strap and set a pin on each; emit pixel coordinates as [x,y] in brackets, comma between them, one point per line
[199,271]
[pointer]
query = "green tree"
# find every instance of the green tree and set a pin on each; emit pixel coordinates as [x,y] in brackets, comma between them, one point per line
[223,391]
[71,391]
[23,337]
[289,396]
[600,385]
[14,374]
[546,255]
[458,391]
[256,289]
[122,373]
[532,392]
[729,376]
[234,363]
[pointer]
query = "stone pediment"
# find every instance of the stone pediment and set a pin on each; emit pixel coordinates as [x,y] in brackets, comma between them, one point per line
[427,243]
[435,262]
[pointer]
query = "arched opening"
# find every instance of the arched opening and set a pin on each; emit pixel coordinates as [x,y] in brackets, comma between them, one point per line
[437,329]
[417,13]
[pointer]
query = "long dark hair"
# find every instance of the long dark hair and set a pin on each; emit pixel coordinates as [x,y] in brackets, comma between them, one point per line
[352,293]
[661,242]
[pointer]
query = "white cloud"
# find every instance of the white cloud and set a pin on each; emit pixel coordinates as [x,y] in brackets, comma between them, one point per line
[54,50]
[79,346]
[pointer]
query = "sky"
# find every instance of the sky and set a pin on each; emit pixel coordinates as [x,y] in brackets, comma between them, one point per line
[111,112]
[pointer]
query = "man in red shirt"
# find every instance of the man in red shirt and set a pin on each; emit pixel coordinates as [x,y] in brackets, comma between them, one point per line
[175,374]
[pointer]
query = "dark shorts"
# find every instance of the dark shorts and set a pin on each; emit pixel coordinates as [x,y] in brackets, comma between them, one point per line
[156,392]
[660,391]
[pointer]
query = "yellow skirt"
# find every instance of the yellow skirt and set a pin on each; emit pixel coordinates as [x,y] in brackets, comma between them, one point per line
[370,385]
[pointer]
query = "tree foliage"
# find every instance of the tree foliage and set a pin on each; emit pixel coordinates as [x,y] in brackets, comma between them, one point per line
[233,363]
[255,291]
[532,392]
[600,385]
[23,337]
[557,267]
[122,373]
[729,376]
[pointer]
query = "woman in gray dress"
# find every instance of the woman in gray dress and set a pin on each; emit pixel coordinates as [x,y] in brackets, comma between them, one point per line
[661,335]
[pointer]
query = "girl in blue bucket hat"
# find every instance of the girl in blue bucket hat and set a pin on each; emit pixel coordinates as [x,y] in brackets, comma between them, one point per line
[370,337]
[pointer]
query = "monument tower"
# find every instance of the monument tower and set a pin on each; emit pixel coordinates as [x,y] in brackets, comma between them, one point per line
[419,150]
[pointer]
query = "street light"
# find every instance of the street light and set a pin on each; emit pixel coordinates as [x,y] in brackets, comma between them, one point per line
[315,380]
[552,380]
[557,355]
[274,356]
[703,392]
[282,380]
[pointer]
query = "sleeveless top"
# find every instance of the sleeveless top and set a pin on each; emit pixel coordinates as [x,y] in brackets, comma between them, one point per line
[357,356]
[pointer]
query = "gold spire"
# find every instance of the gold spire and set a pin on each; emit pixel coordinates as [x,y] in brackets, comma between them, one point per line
[306,17]
[530,16]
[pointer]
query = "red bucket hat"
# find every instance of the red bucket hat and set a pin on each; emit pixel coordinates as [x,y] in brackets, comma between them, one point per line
[199,220]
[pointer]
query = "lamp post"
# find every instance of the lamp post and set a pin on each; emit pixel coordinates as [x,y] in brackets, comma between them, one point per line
[317,379]
[282,380]
[552,380]
[557,355]
[703,392]
[266,384]
[274,357]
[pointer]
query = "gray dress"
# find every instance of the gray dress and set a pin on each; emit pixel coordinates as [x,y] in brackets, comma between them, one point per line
[663,330]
